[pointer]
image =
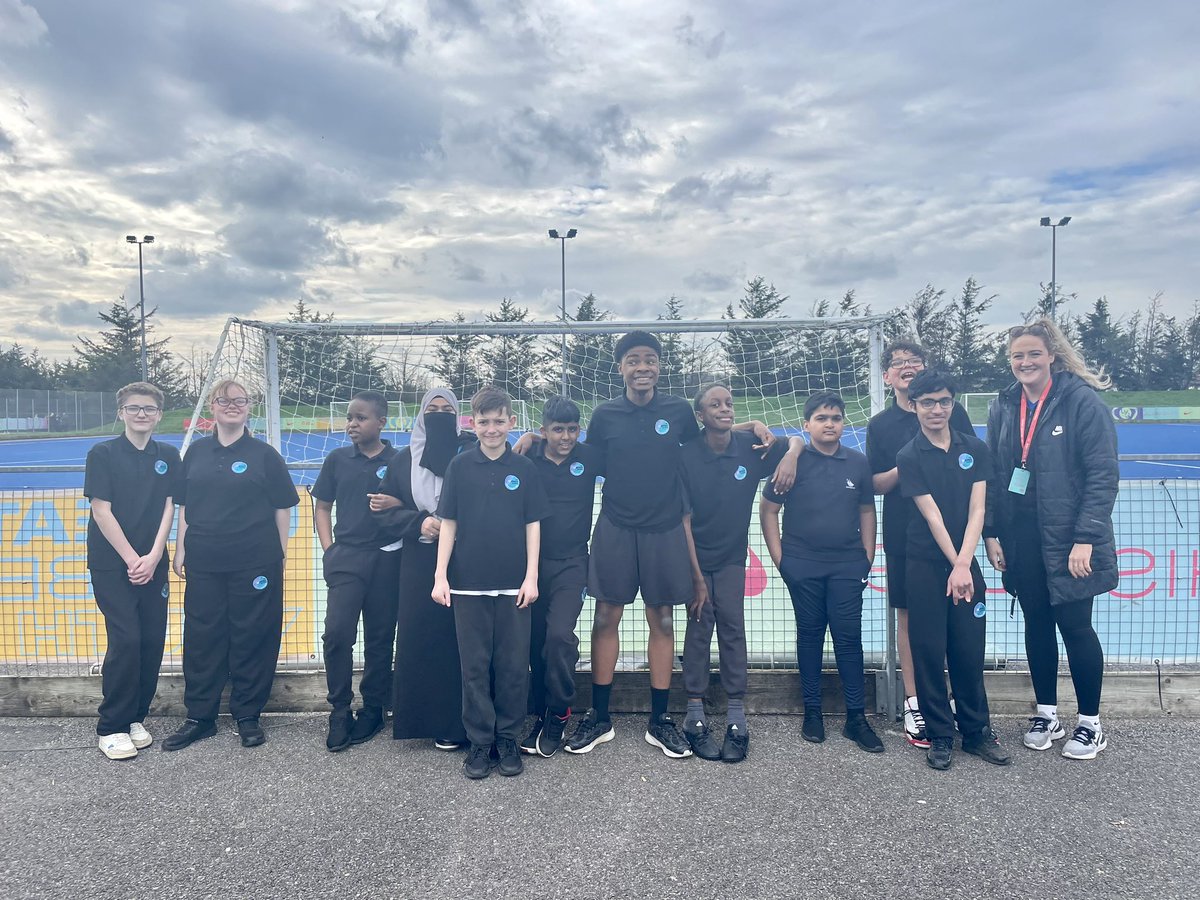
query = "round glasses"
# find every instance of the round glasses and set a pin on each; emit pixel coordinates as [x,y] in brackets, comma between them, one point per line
[239,402]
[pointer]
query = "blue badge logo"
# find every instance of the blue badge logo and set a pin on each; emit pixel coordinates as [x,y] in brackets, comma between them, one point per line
[512,482]
[662,426]
[381,471]
[965,460]
[166,591]
[238,467]
[260,583]
[160,466]
[576,469]
[980,610]
[740,474]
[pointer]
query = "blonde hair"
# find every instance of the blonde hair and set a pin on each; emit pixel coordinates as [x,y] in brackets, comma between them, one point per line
[1066,357]
[144,388]
[221,388]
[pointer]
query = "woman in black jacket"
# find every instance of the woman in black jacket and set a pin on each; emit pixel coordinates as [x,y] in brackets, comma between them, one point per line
[1049,520]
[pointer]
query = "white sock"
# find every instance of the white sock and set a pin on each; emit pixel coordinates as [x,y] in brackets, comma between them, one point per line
[1092,722]
[911,703]
[1048,712]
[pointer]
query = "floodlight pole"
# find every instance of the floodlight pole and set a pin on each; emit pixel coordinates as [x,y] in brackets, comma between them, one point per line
[146,239]
[1054,258]
[562,239]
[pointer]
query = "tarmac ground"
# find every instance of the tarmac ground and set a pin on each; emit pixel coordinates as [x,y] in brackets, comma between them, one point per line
[397,819]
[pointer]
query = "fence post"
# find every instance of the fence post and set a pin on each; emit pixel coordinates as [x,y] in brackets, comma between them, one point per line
[887,704]
[274,436]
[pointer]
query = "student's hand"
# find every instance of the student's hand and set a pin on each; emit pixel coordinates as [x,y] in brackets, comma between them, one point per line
[528,593]
[177,564]
[1079,563]
[524,443]
[441,591]
[785,474]
[380,502]
[995,553]
[143,568]
[701,597]
[431,527]
[960,585]
[766,437]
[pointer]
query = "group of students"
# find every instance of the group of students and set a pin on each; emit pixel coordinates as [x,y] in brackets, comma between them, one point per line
[471,557]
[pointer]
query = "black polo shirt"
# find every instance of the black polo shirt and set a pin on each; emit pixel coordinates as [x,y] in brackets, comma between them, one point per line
[947,476]
[821,513]
[887,433]
[230,495]
[641,445]
[571,489]
[346,477]
[491,502]
[137,483]
[720,489]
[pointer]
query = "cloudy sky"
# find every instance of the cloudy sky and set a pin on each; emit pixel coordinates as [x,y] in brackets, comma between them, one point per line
[402,161]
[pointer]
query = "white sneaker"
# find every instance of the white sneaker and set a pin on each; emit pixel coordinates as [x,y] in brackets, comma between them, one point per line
[117,746]
[140,736]
[914,724]
[1085,743]
[1043,733]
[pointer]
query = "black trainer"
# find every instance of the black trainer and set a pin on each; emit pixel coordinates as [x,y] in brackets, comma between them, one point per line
[662,733]
[188,733]
[510,758]
[700,738]
[940,751]
[590,732]
[550,740]
[251,732]
[529,745]
[987,747]
[449,745]
[478,763]
[814,725]
[367,724]
[859,730]
[737,744]
[338,737]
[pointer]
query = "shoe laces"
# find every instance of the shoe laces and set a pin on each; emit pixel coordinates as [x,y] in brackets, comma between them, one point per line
[1039,725]
[918,719]
[479,753]
[942,743]
[1083,735]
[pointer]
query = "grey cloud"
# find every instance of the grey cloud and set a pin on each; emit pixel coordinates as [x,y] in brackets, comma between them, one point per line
[9,276]
[282,243]
[216,287]
[6,144]
[709,45]
[465,270]
[78,255]
[711,191]
[703,280]
[377,35]
[20,25]
[71,313]
[455,12]
[846,267]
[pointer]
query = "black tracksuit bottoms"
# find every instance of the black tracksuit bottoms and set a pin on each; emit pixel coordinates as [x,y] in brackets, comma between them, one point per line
[135,620]
[940,630]
[232,625]
[493,651]
[553,645]
[362,582]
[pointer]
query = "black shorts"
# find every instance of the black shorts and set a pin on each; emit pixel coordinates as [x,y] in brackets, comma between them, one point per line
[897,590]
[656,562]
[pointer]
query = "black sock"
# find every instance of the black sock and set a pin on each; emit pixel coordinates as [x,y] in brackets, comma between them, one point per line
[600,695]
[658,701]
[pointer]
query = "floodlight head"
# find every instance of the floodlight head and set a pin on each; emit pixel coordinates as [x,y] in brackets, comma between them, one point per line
[554,232]
[148,239]
[1046,220]
[131,238]
[1064,220]
[572,233]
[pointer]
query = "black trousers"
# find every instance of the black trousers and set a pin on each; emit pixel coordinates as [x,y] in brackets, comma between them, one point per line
[232,624]
[135,620]
[553,645]
[493,650]
[938,630]
[828,595]
[362,582]
[726,612]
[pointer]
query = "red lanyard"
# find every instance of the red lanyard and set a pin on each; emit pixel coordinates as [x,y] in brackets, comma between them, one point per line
[1027,440]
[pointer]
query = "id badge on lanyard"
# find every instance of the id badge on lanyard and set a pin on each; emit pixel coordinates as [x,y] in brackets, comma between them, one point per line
[1019,482]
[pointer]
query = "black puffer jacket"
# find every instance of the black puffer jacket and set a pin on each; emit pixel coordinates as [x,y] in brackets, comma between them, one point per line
[1074,459]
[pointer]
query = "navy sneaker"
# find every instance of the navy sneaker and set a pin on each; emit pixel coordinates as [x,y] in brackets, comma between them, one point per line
[662,733]
[478,763]
[701,740]
[529,744]
[737,744]
[589,733]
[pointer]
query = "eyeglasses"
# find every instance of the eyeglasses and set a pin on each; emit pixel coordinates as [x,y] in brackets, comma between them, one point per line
[914,362]
[140,410]
[931,402]
[239,402]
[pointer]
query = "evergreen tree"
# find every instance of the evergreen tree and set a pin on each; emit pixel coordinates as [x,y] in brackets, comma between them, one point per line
[675,371]
[22,370]
[928,320]
[456,362]
[968,341]
[759,358]
[113,359]
[1104,344]
[591,373]
[512,361]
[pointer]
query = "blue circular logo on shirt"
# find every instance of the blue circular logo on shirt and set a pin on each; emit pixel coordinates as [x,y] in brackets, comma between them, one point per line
[662,426]
[166,591]
[965,460]
[260,583]
[160,466]
[238,467]
[512,482]
[576,469]
[980,610]
[381,471]
[740,474]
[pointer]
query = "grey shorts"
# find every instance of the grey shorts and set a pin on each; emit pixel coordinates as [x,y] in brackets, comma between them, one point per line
[623,561]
